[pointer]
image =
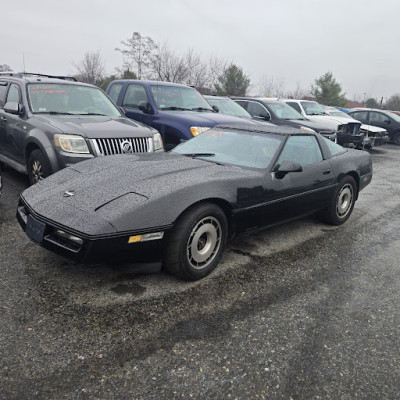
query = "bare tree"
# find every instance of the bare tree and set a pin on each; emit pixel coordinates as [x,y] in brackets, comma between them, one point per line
[272,87]
[5,68]
[297,93]
[138,50]
[91,68]
[167,66]
[393,103]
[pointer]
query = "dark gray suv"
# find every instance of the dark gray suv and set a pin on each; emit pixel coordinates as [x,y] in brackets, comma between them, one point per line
[48,123]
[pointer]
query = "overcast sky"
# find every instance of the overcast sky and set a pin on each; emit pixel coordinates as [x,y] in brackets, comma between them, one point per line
[295,41]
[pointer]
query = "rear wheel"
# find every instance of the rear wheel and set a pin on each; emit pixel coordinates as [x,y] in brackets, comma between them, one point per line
[38,167]
[196,242]
[342,202]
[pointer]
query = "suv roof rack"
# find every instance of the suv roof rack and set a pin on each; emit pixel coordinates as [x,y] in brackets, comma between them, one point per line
[23,74]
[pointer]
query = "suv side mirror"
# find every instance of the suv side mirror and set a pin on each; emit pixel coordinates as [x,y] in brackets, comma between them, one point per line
[264,115]
[144,106]
[286,167]
[14,108]
[215,108]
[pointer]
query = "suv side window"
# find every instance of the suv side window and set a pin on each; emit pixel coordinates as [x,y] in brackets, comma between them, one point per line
[14,94]
[294,105]
[115,90]
[134,95]
[256,109]
[301,149]
[3,91]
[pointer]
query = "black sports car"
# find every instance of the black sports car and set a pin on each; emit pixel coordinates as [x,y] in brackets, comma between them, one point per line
[181,207]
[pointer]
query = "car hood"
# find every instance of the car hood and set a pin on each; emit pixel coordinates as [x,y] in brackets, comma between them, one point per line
[374,129]
[97,127]
[205,118]
[154,188]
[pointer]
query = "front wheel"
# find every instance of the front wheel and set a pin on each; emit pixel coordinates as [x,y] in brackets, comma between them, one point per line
[196,242]
[342,202]
[38,167]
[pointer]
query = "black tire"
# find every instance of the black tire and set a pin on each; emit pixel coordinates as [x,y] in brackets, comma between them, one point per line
[38,167]
[196,242]
[396,138]
[342,202]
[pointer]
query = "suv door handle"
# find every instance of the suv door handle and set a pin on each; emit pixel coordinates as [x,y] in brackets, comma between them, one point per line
[326,172]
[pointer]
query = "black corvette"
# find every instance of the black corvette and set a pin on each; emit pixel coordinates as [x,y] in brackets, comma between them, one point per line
[181,207]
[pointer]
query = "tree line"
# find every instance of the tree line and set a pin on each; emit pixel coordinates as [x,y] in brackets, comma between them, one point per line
[145,59]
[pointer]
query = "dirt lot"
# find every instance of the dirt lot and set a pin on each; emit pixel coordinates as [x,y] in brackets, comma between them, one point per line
[301,311]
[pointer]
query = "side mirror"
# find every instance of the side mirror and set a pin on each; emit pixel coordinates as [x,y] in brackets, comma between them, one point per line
[388,121]
[215,108]
[265,116]
[14,108]
[144,106]
[286,167]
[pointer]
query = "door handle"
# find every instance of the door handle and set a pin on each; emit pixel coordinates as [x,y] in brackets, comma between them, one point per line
[326,172]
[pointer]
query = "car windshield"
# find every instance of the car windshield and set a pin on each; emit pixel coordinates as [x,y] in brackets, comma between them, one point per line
[60,98]
[233,147]
[178,98]
[229,107]
[394,116]
[283,111]
[312,108]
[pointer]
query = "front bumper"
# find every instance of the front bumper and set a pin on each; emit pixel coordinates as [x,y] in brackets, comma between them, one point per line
[79,247]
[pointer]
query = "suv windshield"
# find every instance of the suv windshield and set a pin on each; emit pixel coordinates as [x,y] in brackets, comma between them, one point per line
[312,108]
[178,98]
[283,111]
[64,98]
[229,107]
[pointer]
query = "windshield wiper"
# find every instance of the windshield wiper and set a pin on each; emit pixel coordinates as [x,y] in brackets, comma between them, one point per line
[202,109]
[198,154]
[176,108]
[53,113]
[104,115]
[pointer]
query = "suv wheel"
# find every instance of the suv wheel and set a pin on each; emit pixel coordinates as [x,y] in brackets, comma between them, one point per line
[38,167]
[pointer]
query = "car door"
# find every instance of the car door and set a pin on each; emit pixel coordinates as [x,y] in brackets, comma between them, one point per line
[297,193]
[135,94]
[13,126]
[382,120]
[3,119]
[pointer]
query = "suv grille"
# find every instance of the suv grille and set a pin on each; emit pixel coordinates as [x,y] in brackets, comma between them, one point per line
[351,128]
[107,147]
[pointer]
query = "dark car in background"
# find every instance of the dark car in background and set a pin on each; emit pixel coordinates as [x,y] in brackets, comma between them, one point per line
[182,206]
[48,123]
[382,118]
[225,105]
[281,114]
[178,112]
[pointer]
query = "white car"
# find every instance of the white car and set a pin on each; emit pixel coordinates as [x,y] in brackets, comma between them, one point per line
[373,135]
[348,132]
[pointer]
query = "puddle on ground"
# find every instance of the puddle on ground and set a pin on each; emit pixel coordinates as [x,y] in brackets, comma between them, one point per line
[132,288]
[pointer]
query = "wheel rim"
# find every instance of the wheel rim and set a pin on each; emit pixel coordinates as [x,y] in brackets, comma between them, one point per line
[37,171]
[344,201]
[204,243]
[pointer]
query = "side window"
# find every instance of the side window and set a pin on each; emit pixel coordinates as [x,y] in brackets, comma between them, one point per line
[115,90]
[134,95]
[14,94]
[256,109]
[376,117]
[360,115]
[242,103]
[301,149]
[3,91]
[294,105]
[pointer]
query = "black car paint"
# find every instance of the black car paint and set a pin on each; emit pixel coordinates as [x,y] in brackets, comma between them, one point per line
[118,196]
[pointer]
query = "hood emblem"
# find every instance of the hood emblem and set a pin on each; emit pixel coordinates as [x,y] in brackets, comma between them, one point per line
[69,193]
[126,146]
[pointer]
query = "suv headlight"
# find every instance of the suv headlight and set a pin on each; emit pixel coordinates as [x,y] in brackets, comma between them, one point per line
[71,143]
[306,128]
[157,142]
[196,130]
